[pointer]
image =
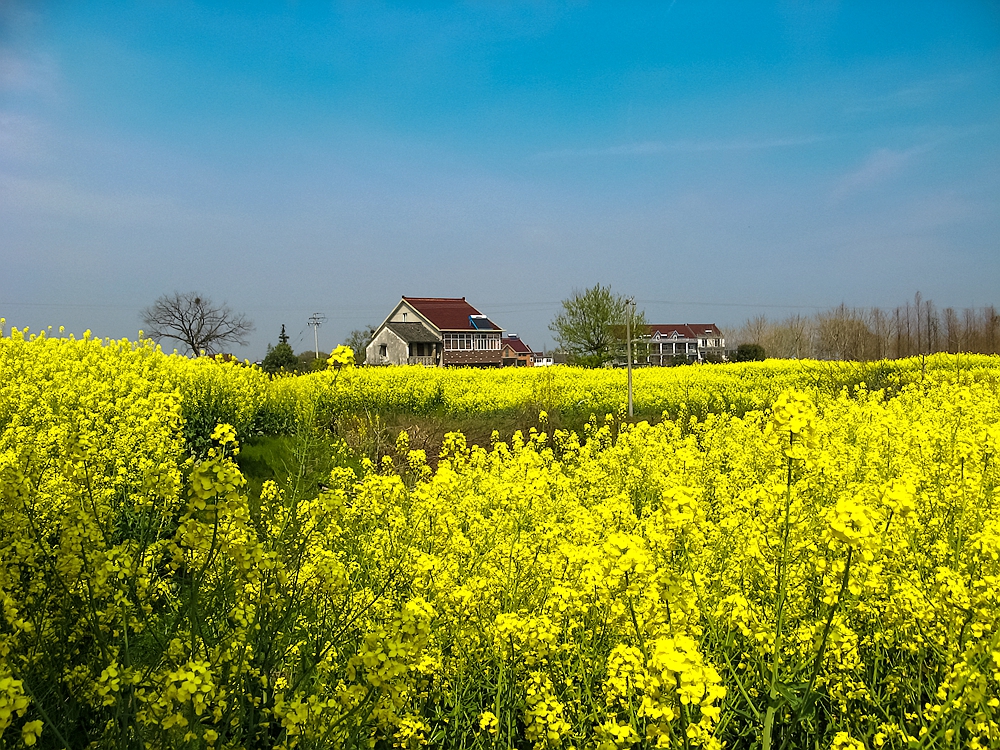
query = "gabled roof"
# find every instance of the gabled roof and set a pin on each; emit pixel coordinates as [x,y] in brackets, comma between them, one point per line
[516,345]
[450,314]
[685,330]
[413,333]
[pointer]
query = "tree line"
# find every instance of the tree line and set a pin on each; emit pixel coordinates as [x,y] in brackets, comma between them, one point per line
[859,333]
[590,328]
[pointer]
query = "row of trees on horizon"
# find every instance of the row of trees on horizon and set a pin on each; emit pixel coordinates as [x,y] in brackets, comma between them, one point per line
[590,331]
[861,334]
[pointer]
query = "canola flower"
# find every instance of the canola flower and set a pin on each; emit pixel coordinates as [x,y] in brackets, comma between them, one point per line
[820,570]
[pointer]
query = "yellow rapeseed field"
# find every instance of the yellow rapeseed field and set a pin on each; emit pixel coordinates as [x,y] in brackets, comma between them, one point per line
[780,562]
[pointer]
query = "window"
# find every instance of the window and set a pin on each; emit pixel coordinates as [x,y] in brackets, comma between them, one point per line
[383,350]
[457,341]
[471,342]
[404,317]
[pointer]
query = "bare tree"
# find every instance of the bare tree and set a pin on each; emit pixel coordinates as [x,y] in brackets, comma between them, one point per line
[791,338]
[755,330]
[954,331]
[359,340]
[196,322]
[989,339]
[881,327]
[842,333]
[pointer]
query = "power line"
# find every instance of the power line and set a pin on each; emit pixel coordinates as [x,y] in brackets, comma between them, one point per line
[316,320]
[360,311]
[137,306]
[519,304]
[69,304]
[731,304]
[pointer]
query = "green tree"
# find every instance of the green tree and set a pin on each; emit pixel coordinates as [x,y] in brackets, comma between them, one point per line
[281,356]
[750,353]
[309,362]
[591,326]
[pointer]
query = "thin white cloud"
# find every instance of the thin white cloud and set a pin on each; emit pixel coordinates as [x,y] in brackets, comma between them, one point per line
[59,198]
[20,137]
[881,165]
[35,73]
[914,94]
[649,148]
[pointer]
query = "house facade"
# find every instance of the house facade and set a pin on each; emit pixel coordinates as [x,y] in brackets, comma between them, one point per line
[436,332]
[515,353]
[695,342]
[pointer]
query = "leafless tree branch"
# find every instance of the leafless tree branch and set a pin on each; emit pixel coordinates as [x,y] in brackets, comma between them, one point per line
[196,322]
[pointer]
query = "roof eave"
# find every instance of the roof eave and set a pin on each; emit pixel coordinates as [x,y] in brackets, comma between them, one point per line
[396,309]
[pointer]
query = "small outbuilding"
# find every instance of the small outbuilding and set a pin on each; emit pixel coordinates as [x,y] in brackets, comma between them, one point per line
[515,353]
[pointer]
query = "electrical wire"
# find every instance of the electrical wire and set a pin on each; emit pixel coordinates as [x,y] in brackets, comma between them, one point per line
[730,304]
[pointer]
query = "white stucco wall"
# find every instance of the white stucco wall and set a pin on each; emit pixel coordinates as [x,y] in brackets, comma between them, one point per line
[396,349]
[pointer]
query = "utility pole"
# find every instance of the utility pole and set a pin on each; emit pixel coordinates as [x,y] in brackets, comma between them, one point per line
[316,321]
[630,302]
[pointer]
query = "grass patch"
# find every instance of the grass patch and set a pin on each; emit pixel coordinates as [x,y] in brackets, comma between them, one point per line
[300,464]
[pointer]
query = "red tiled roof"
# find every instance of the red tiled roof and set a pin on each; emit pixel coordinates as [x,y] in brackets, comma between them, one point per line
[516,345]
[686,330]
[450,314]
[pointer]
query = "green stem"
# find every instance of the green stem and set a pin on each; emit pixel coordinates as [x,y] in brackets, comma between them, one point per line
[48,723]
[818,661]
[635,622]
[768,726]
[773,695]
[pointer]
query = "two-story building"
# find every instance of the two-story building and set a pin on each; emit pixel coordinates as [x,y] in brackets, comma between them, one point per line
[696,342]
[438,332]
[515,353]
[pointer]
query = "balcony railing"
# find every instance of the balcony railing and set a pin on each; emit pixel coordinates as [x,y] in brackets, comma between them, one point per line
[428,361]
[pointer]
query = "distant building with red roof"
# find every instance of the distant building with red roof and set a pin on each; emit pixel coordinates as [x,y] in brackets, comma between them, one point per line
[436,331]
[696,342]
[515,353]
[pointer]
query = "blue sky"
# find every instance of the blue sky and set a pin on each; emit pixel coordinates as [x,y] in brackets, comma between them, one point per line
[715,160]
